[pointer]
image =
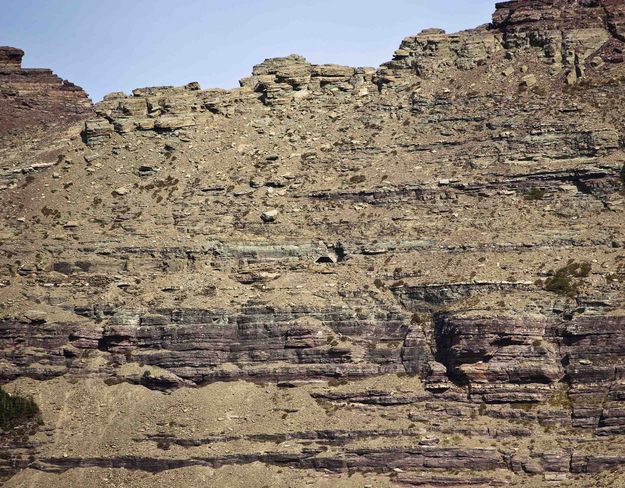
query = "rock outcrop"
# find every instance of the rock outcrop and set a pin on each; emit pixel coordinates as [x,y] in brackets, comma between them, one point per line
[281,80]
[39,113]
[36,98]
[409,275]
[11,58]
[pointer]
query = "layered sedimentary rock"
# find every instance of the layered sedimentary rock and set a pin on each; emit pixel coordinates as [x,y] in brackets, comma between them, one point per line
[283,79]
[569,33]
[559,15]
[39,112]
[11,58]
[32,97]
[408,275]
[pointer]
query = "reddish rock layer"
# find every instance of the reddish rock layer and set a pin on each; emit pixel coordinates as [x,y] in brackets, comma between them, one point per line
[36,98]
[543,15]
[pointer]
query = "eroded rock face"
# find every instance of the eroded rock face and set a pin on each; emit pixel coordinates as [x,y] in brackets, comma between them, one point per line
[31,98]
[568,32]
[35,106]
[199,346]
[281,80]
[275,82]
[512,359]
[10,58]
[518,16]
[415,271]
[433,51]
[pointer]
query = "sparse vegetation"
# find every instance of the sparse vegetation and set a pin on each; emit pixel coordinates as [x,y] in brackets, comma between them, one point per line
[615,277]
[560,399]
[50,212]
[163,444]
[16,409]
[357,179]
[535,194]
[433,195]
[563,281]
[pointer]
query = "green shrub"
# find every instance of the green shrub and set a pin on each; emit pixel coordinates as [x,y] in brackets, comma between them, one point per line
[535,194]
[358,179]
[16,410]
[563,282]
[561,285]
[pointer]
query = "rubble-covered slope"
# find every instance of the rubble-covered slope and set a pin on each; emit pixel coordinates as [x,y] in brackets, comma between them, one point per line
[407,275]
[39,113]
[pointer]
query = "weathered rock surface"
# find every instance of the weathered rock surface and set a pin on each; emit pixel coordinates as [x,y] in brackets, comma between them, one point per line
[35,98]
[413,274]
[39,112]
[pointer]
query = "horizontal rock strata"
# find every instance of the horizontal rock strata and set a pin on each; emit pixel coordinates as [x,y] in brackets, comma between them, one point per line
[412,275]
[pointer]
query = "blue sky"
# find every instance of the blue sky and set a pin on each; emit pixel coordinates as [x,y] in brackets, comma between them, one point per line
[116,45]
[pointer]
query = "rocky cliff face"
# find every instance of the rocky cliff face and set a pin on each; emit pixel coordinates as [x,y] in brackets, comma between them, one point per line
[39,112]
[31,98]
[411,275]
